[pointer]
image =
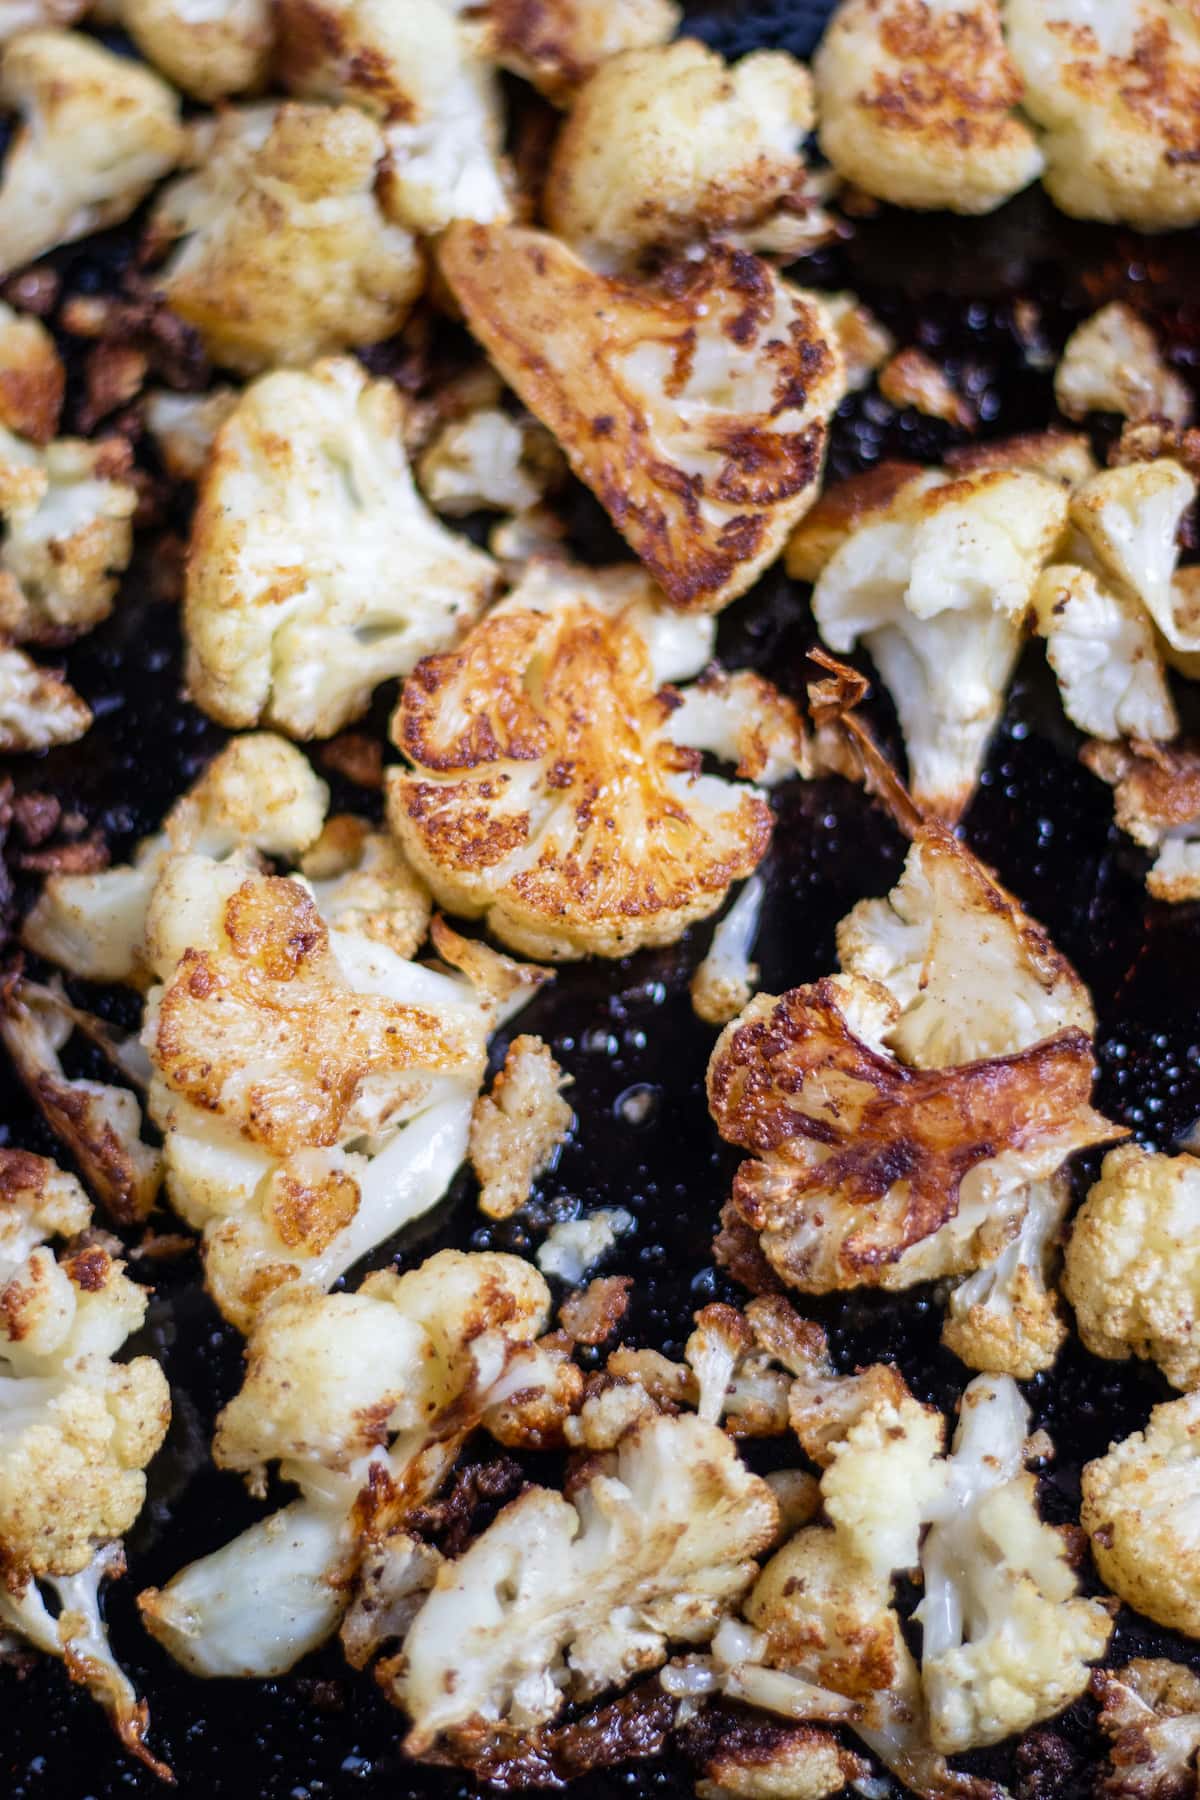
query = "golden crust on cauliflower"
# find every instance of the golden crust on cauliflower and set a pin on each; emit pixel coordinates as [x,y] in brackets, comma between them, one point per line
[209,52]
[1157,794]
[667,147]
[917,104]
[557,44]
[518,1128]
[362,883]
[66,512]
[1150,1712]
[285,253]
[548,791]
[315,571]
[32,377]
[37,707]
[1112,363]
[1139,1510]
[97,131]
[694,404]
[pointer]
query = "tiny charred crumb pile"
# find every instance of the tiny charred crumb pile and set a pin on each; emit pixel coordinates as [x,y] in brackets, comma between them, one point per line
[599,1064]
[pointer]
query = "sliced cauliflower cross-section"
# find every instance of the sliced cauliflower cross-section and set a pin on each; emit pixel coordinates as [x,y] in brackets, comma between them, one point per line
[549,791]
[66,512]
[694,404]
[315,570]
[917,104]
[1141,1514]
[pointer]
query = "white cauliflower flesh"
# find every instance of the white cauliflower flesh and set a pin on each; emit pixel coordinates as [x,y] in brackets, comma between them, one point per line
[1141,1514]
[938,587]
[211,49]
[1112,363]
[365,1400]
[185,427]
[1006,1641]
[1103,648]
[96,132]
[694,404]
[726,979]
[28,15]
[668,147]
[315,570]
[1113,89]
[32,377]
[1150,1712]
[574,1246]
[1133,1262]
[258,793]
[362,883]
[67,535]
[518,1128]
[1157,794]
[549,790]
[418,67]
[917,104]
[1005,1318]
[488,461]
[1129,519]
[286,254]
[569,1597]
[557,47]
[37,707]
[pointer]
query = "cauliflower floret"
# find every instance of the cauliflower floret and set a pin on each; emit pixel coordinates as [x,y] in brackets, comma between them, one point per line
[865,343]
[574,1246]
[790,1762]
[1112,363]
[418,68]
[667,147]
[37,707]
[726,979]
[361,883]
[488,460]
[1114,89]
[32,377]
[315,571]
[286,253]
[1103,649]
[1005,1318]
[366,1400]
[1150,1710]
[1139,1510]
[694,404]
[557,44]
[938,588]
[1129,519]
[212,50]
[1157,792]
[37,1201]
[28,15]
[1006,1641]
[258,793]
[67,515]
[1133,1262]
[549,790]
[917,104]
[573,1596]
[185,427]
[517,1129]
[911,378]
[97,131]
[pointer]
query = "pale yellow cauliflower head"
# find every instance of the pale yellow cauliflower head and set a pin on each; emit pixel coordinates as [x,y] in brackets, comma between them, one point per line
[67,515]
[1112,363]
[1141,1514]
[212,50]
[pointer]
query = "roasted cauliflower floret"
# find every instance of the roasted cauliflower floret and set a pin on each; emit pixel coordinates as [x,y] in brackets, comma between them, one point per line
[487,460]
[726,979]
[67,535]
[1157,794]
[917,104]
[668,147]
[558,45]
[566,1597]
[365,1399]
[258,793]
[548,789]
[1133,1262]
[1005,1318]
[418,68]
[1150,1712]
[315,571]
[1102,646]
[362,883]
[37,707]
[96,132]
[938,588]
[1139,1510]
[185,427]
[28,15]
[1112,363]
[518,1128]
[1113,89]
[223,47]
[32,377]
[1129,519]
[694,404]
[286,254]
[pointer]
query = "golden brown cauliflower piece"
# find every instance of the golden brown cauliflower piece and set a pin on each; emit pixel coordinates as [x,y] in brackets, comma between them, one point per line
[1115,90]
[1139,1509]
[548,791]
[211,51]
[28,15]
[37,707]
[97,131]
[285,254]
[362,883]
[917,104]
[1150,1711]
[667,147]
[517,1129]
[557,44]
[1112,363]
[1157,794]
[32,377]
[694,405]
[185,426]
[315,571]
[67,515]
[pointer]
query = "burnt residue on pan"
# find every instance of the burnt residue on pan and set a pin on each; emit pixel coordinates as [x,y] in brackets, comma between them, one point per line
[993,301]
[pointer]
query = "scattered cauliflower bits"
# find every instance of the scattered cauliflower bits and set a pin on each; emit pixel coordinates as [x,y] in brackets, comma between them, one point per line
[1112,363]
[1115,90]
[365,1400]
[1150,1711]
[37,707]
[518,1128]
[1139,1510]
[315,570]
[917,103]
[668,147]
[557,44]
[79,1429]
[285,253]
[32,377]
[211,51]
[694,404]
[67,512]
[555,785]
[1157,793]
[96,132]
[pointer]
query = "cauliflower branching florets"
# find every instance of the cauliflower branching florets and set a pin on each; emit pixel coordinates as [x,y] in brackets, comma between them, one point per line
[556,785]
[917,104]
[66,512]
[28,15]
[1141,1514]
[1005,1318]
[1150,1711]
[558,47]
[315,570]
[37,707]
[286,254]
[1104,651]
[1112,363]
[694,403]
[213,50]
[96,132]
[487,460]
[518,1128]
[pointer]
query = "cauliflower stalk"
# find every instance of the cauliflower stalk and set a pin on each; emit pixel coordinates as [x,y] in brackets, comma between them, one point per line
[1005,1318]
[727,977]
[1140,1512]
[68,535]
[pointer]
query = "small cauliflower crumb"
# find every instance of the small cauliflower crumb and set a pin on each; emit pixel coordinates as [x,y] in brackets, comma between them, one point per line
[67,515]
[1139,1510]
[32,377]
[1157,794]
[574,1246]
[185,426]
[865,343]
[488,460]
[912,378]
[1112,363]
[725,981]
[518,1128]
[37,707]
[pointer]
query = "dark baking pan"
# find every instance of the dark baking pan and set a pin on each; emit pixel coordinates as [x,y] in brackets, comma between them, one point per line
[952,286]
